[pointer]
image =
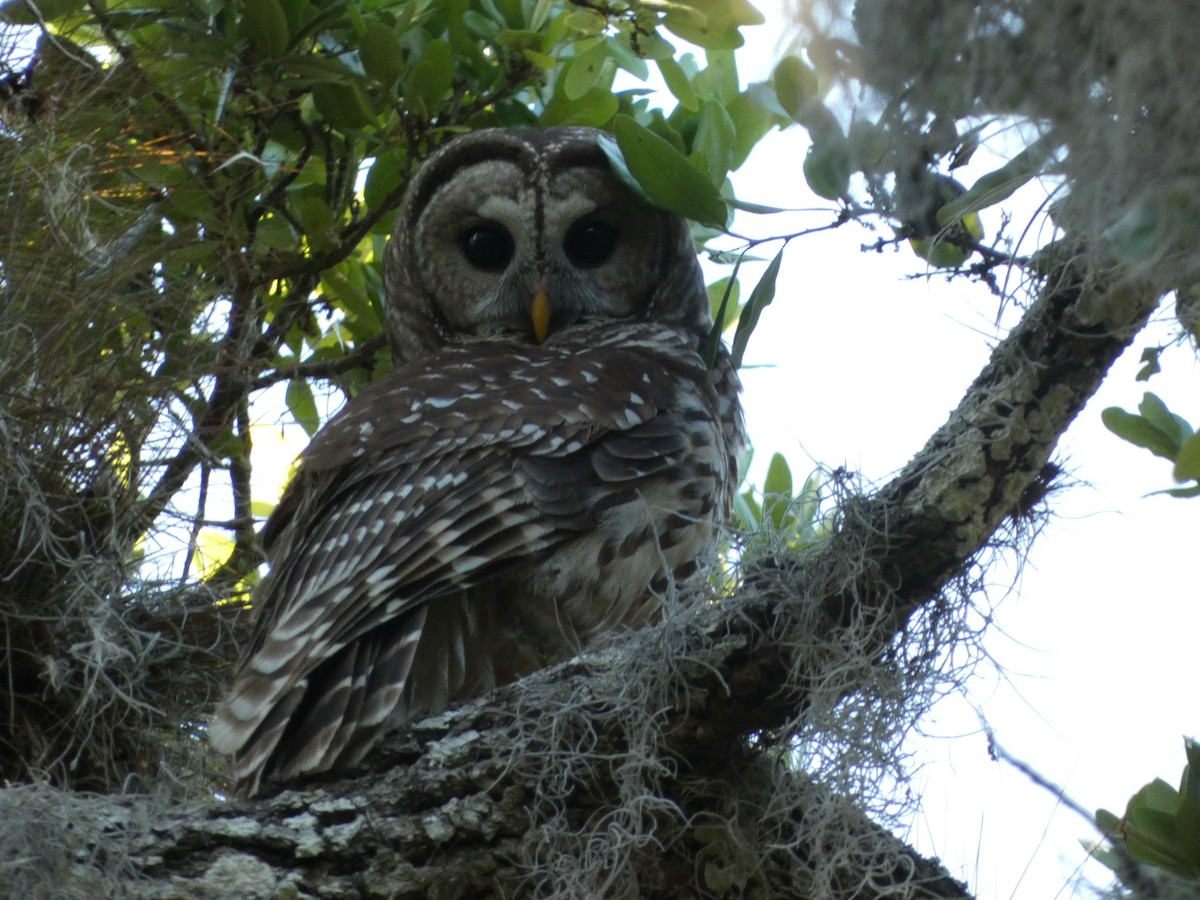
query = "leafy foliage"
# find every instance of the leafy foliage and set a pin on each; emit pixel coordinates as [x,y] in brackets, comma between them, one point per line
[781,516]
[1164,434]
[1161,825]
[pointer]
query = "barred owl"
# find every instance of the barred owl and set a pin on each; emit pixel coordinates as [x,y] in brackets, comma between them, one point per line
[550,457]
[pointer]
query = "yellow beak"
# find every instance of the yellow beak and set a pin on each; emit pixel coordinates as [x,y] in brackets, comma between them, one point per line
[539,311]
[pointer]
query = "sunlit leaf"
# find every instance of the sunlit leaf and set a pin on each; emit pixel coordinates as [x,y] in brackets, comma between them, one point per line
[582,72]
[777,489]
[747,511]
[344,106]
[795,85]
[663,174]
[751,120]
[20,12]
[303,406]
[714,140]
[760,298]
[268,27]
[678,83]
[712,24]
[1157,414]
[593,110]
[386,175]
[380,51]
[723,301]
[212,550]
[429,80]
[1138,430]
[827,168]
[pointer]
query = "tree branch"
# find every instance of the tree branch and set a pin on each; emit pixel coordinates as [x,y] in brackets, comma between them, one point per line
[465,802]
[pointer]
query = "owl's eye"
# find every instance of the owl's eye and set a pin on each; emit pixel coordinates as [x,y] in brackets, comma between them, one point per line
[487,246]
[590,243]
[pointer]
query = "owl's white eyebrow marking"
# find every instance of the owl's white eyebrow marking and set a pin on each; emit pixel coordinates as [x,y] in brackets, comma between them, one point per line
[573,207]
[502,209]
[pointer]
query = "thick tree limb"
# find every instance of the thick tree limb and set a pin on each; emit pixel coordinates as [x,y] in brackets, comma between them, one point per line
[459,805]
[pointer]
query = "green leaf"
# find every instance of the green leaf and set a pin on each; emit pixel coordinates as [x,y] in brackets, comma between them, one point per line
[20,12]
[1183,493]
[344,106]
[747,511]
[537,19]
[723,301]
[302,406]
[1190,782]
[542,60]
[1187,460]
[585,21]
[999,185]
[381,54]
[274,233]
[711,24]
[718,80]
[760,297]
[593,110]
[663,174]
[1139,431]
[678,83]
[582,73]
[267,26]
[777,489]
[1162,418]
[827,167]
[714,140]
[212,550]
[429,80]
[751,120]
[623,57]
[795,85]
[314,214]
[386,175]
[1150,364]
[722,317]
[345,282]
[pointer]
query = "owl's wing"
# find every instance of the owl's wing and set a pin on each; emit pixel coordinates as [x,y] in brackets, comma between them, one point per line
[433,480]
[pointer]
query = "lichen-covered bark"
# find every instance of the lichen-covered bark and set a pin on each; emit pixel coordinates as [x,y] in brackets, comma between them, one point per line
[457,806]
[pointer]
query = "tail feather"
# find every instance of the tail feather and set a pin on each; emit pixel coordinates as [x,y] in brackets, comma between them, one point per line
[278,727]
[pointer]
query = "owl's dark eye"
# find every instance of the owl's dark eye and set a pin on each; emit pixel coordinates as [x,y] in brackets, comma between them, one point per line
[487,246]
[590,243]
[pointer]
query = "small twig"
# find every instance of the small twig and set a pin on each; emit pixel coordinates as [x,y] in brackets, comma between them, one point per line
[194,538]
[359,357]
[1131,872]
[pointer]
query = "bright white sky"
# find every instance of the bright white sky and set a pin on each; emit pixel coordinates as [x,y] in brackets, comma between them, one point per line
[1093,637]
[855,365]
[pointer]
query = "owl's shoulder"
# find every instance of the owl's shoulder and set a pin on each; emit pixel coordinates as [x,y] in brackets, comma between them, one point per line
[506,395]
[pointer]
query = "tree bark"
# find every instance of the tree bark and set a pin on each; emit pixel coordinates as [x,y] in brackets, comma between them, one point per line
[464,803]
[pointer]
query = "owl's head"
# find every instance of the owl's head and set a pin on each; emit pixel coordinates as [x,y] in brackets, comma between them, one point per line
[522,233]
